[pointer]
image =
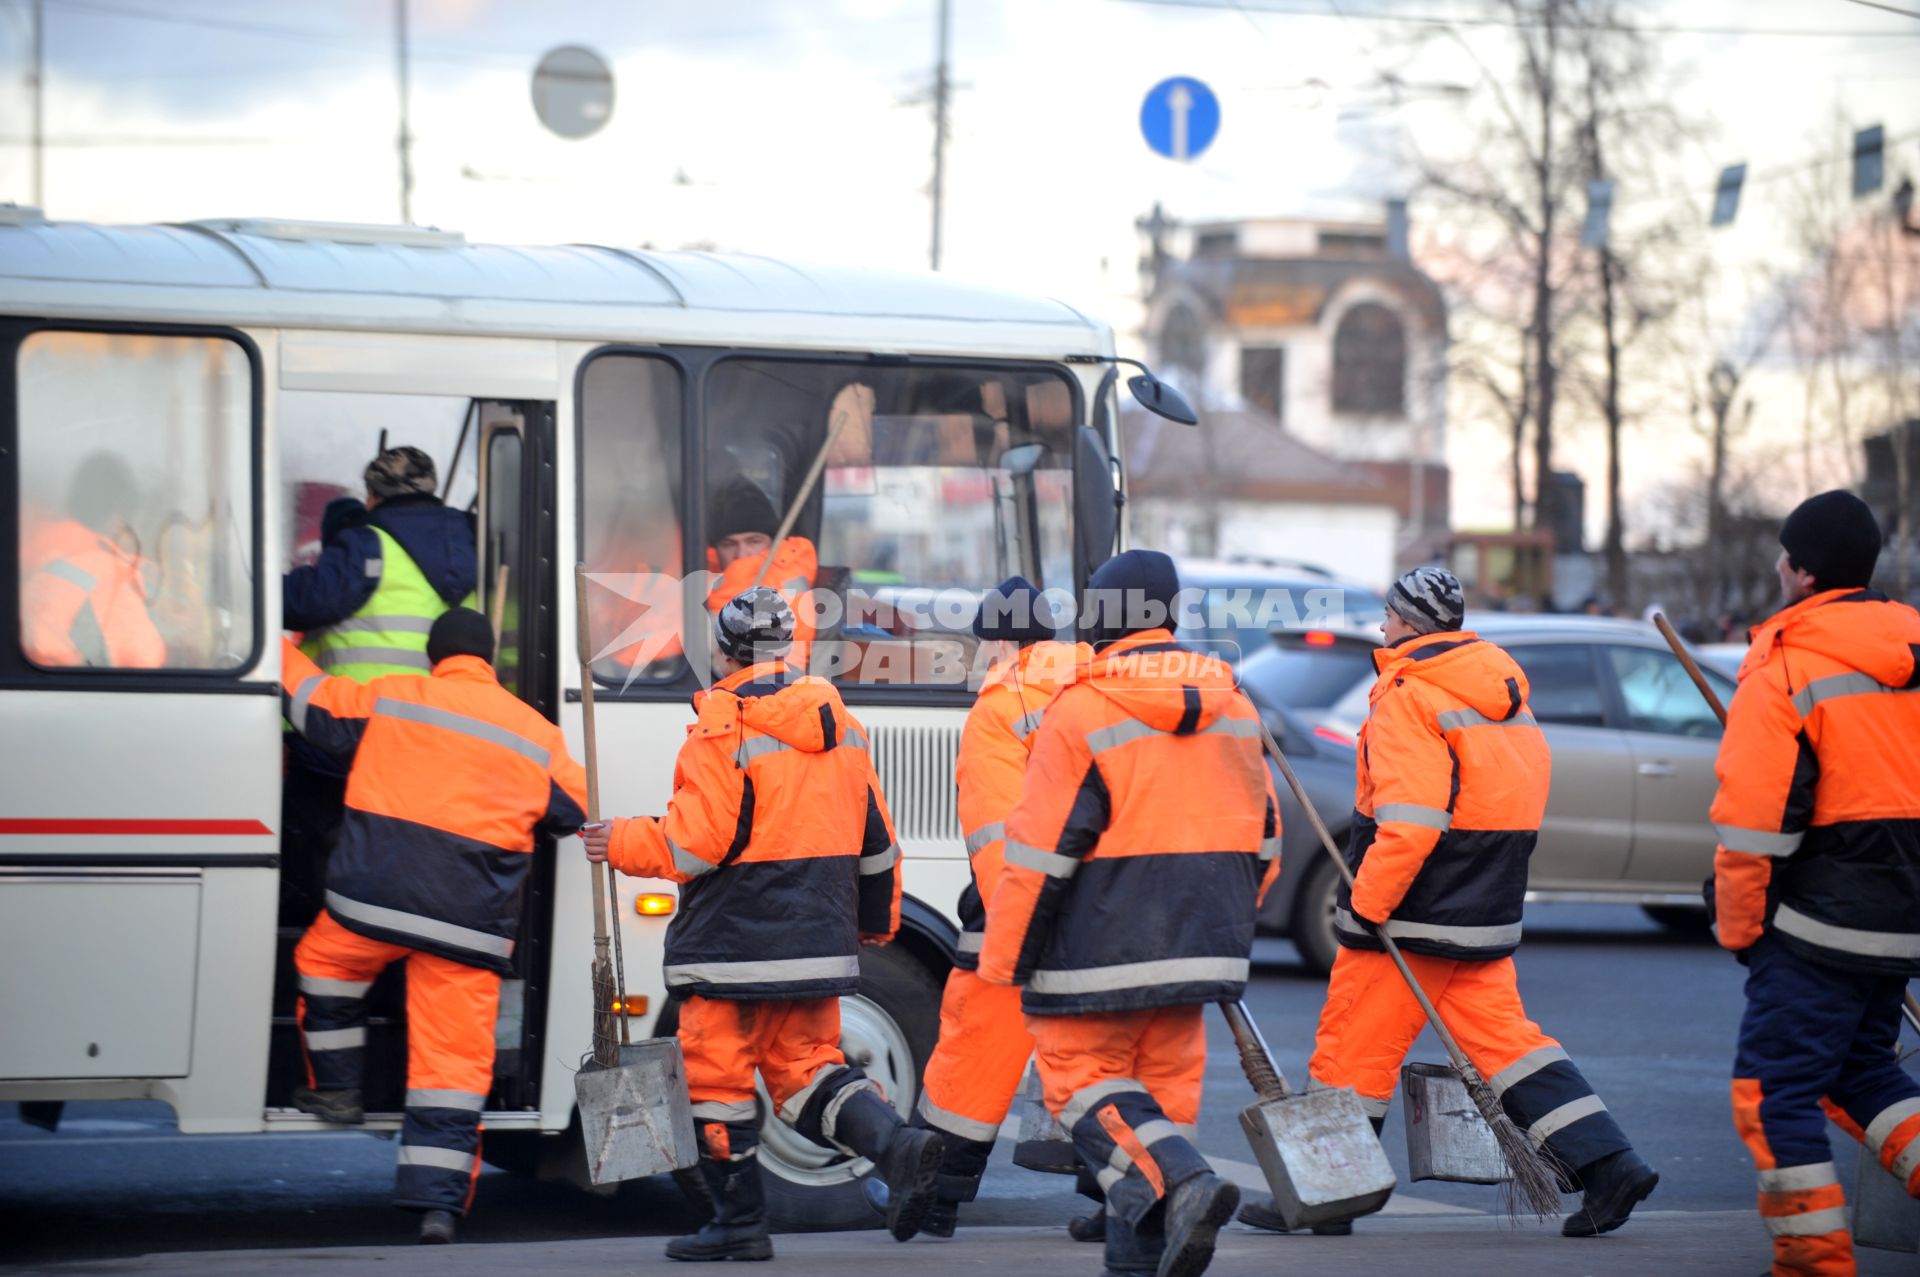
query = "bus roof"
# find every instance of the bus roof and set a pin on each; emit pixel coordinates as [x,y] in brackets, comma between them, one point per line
[280,273]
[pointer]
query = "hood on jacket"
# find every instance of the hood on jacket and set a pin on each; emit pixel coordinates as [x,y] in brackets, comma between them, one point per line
[437,539]
[1473,671]
[1169,688]
[1048,664]
[805,713]
[1863,629]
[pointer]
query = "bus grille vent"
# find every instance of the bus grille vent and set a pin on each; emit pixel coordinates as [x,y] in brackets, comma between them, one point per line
[915,765]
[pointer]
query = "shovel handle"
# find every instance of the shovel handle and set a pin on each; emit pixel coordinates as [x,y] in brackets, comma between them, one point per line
[585,644]
[1256,1061]
[1692,667]
[1454,1053]
[814,471]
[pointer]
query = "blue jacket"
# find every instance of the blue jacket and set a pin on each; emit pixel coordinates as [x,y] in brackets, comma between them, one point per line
[438,540]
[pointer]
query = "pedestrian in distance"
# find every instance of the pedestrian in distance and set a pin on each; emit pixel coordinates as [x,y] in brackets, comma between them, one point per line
[1816,882]
[1127,904]
[779,834]
[452,780]
[1452,776]
[984,1044]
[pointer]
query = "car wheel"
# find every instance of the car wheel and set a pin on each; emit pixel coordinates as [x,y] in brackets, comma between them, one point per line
[1312,929]
[1681,920]
[889,1029]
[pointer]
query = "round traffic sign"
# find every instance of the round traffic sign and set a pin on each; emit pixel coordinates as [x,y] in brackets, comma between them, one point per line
[573,91]
[1180,117]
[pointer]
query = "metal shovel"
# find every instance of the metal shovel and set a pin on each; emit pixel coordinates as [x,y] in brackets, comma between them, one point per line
[1316,1148]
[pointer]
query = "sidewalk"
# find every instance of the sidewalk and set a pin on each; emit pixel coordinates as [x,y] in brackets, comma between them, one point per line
[1670,1244]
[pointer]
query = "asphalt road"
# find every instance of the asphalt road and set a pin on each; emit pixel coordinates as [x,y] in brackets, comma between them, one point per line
[1649,1018]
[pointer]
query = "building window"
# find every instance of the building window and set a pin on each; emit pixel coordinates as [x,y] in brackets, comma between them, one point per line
[1370,362]
[1263,380]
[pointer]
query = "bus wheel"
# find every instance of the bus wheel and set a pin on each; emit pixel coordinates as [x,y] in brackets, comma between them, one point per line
[888,1029]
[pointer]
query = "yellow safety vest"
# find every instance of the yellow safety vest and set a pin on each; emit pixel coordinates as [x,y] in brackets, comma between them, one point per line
[388,635]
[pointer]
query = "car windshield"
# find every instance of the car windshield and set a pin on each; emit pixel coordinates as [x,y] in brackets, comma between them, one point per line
[1302,677]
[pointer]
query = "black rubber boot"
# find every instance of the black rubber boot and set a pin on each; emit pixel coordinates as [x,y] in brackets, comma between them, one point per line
[342,1106]
[1261,1212]
[436,1227]
[1197,1209]
[963,1163]
[738,1229]
[907,1158]
[1615,1185]
[1088,1228]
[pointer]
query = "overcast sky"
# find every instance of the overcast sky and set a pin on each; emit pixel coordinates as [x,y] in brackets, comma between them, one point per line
[798,127]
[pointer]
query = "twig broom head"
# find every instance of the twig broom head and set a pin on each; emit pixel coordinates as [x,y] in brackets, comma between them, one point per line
[1535,1186]
[606,1036]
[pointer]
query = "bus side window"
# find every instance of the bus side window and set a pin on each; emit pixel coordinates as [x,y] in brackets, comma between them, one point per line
[136,502]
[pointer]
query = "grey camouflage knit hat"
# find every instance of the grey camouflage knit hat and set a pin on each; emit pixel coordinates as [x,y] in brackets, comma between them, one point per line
[1429,599]
[755,626]
[401,472]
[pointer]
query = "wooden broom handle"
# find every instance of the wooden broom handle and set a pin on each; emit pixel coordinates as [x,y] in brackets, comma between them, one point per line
[585,643]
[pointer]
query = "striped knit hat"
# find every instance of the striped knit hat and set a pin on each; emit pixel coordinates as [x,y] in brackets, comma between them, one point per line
[1428,599]
[755,626]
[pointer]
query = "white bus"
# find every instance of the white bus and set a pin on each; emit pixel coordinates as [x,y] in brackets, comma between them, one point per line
[582,402]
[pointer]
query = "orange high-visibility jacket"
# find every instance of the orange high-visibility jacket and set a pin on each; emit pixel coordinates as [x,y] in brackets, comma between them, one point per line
[82,602]
[994,745]
[1819,803]
[778,829]
[1133,858]
[452,778]
[1451,783]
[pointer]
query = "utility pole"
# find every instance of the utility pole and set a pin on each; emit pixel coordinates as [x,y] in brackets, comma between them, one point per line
[942,86]
[405,139]
[39,104]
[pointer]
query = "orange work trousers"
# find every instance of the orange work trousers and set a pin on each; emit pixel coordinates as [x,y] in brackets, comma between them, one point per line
[451,1009]
[976,1068]
[1126,1086]
[1371,1019]
[794,1043]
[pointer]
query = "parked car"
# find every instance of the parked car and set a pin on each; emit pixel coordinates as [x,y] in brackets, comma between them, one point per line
[1633,749]
[1308,670]
[1243,604]
[1304,891]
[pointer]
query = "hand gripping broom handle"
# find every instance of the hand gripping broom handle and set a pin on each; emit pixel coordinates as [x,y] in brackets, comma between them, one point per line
[1256,1061]
[1911,1008]
[1460,1062]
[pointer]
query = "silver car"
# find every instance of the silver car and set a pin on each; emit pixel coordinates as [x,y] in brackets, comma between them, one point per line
[1633,747]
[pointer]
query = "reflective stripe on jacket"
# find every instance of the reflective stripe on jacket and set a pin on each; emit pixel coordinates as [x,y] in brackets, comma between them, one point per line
[994,745]
[779,832]
[452,777]
[1134,856]
[388,635]
[1451,782]
[1818,809]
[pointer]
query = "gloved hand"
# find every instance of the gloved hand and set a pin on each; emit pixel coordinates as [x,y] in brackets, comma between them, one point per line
[341,513]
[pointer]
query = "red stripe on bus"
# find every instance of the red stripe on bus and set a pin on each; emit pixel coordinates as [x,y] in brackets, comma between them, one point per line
[133,828]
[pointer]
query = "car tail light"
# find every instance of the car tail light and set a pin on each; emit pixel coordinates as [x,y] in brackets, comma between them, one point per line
[1319,638]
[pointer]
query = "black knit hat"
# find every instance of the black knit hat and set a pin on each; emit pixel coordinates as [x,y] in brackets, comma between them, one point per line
[1835,537]
[460,631]
[1014,611]
[756,625]
[1132,592]
[739,506]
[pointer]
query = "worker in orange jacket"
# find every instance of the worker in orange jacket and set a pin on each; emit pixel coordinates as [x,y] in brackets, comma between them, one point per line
[1451,784]
[1127,904]
[984,1043]
[452,779]
[778,829]
[82,600]
[1816,883]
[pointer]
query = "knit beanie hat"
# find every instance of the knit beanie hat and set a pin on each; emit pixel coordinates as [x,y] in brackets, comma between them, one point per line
[1014,611]
[401,472]
[1835,537]
[1429,599]
[1132,592]
[460,631]
[739,506]
[754,626]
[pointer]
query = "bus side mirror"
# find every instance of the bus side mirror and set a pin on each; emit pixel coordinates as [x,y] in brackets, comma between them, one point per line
[1096,502]
[1156,396]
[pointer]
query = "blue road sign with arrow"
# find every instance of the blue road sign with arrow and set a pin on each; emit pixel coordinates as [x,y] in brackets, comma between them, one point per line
[1180,118]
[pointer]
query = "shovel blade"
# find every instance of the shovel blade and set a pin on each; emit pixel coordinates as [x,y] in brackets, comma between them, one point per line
[635,1119]
[1447,1139]
[1043,1144]
[1884,1217]
[1320,1156]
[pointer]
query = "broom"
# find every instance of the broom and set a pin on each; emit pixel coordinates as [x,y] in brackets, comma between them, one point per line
[606,1040]
[1536,1181]
[1911,1007]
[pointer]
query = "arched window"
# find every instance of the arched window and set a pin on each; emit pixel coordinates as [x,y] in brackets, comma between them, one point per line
[1370,362]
